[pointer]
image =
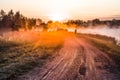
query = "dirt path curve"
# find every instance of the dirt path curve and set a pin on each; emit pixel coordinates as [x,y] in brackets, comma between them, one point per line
[77,60]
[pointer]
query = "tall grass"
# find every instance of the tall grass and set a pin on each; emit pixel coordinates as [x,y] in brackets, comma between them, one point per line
[22,51]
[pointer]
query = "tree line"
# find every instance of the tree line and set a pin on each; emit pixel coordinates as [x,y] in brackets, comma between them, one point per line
[95,22]
[15,21]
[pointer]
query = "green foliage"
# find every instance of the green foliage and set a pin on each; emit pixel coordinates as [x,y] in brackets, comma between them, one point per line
[15,21]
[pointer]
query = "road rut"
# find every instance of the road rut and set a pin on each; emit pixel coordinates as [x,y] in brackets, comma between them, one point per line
[77,60]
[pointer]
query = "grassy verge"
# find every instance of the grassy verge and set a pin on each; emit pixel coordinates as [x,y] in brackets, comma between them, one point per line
[106,44]
[17,57]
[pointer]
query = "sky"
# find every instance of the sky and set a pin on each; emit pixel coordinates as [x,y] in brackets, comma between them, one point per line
[64,9]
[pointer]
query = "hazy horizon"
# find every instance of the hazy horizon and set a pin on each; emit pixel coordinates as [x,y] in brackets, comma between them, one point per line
[64,9]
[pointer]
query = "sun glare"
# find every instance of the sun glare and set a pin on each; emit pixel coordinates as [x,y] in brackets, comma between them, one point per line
[58,16]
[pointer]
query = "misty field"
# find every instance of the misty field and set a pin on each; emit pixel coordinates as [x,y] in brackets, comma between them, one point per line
[22,51]
[105,44]
[103,30]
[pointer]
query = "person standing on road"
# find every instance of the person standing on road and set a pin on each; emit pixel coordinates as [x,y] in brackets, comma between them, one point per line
[75,31]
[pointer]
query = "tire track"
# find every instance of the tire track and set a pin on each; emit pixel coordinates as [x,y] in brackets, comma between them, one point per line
[56,69]
[98,64]
[77,60]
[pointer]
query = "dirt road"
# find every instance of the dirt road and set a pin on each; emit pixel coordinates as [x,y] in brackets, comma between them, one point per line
[77,60]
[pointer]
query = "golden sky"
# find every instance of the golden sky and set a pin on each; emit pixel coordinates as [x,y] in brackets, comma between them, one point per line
[64,9]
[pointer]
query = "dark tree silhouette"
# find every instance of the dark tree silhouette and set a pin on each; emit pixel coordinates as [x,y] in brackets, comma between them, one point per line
[10,19]
[31,23]
[95,22]
[15,21]
[2,13]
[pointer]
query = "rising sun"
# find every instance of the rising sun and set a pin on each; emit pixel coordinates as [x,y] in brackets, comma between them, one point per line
[58,16]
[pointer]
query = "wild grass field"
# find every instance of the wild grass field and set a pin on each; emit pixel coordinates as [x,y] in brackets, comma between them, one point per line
[22,51]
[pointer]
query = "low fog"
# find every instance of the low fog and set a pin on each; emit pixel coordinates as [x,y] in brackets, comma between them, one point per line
[102,30]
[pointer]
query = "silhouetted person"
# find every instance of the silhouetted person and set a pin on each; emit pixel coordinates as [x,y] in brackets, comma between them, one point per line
[75,31]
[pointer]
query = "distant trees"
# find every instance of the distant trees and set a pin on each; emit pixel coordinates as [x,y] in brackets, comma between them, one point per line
[95,22]
[15,21]
[30,23]
[2,14]
[3,18]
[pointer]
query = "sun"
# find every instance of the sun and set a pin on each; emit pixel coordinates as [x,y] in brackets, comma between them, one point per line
[58,16]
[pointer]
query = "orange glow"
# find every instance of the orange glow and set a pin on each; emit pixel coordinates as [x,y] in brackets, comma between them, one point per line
[52,39]
[58,16]
[39,39]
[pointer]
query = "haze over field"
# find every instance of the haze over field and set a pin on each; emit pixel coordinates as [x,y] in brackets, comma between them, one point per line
[103,30]
[59,39]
